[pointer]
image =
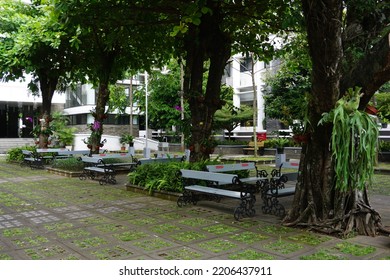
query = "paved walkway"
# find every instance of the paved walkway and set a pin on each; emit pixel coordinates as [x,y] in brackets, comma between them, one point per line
[46,216]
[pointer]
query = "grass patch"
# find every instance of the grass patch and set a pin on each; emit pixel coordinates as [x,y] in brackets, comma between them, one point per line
[354,249]
[196,222]
[116,252]
[220,229]
[130,235]
[73,233]
[181,254]
[283,247]
[248,237]
[90,242]
[217,245]
[309,239]
[188,236]
[322,255]
[152,244]
[250,254]
[165,228]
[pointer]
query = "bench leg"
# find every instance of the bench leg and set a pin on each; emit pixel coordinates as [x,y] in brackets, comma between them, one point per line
[246,207]
[108,178]
[271,203]
[187,198]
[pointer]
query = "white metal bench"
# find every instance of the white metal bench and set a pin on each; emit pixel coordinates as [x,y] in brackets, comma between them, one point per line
[261,176]
[31,159]
[68,154]
[94,167]
[159,160]
[201,185]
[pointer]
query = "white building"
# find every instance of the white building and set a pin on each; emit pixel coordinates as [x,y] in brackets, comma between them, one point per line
[240,76]
[19,108]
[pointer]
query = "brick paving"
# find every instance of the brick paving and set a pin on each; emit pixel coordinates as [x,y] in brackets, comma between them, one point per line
[46,216]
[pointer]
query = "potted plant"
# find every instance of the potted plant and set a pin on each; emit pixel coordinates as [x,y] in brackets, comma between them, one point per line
[280,143]
[126,138]
[299,133]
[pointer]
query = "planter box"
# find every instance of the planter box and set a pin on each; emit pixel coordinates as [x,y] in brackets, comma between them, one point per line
[65,173]
[160,194]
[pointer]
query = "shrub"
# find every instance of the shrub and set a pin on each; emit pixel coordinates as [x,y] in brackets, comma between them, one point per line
[69,164]
[163,176]
[384,146]
[16,154]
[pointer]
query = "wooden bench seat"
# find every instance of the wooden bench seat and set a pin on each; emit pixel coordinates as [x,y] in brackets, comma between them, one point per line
[204,185]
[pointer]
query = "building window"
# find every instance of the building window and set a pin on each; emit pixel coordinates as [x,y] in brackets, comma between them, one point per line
[78,119]
[246,64]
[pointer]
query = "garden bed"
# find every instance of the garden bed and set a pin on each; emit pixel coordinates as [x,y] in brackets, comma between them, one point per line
[62,172]
[159,194]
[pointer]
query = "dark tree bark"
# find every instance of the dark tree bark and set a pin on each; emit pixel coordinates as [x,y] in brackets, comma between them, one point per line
[48,86]
[204,43]
[317,204]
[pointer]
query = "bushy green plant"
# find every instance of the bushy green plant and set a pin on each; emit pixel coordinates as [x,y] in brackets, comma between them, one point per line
[384,146]
[16,154]
[68,164]
[163,176]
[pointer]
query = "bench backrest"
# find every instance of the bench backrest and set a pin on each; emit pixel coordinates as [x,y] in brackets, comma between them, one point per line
[289,164]
[121,155]
[27,152]
[158,160]
[51,150]
[231,167]
[209,176]
[79,152]
[91,160]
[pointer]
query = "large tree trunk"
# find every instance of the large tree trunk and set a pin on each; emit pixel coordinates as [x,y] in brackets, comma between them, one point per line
[205,43]
[48,86]
[99,115]
[317,204]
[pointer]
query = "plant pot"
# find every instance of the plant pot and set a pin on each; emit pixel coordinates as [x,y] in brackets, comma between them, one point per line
[301,138]
[280,150]
[371,110]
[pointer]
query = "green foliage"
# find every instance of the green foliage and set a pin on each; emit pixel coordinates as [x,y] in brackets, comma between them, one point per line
[69,164]
[126,138]
[384,146]
[285,97]
[229,116]
[163,176]
[354,138]
[61,131]
[118,99]
[16,154]
[383,104]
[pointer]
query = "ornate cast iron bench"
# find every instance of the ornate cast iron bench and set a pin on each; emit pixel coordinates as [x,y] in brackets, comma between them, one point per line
[260,178]
[31,159]
[280,185]
[94,167]
[204,185]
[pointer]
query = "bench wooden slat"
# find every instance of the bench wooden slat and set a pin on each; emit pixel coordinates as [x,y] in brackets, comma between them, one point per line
[222,192]
[205,175]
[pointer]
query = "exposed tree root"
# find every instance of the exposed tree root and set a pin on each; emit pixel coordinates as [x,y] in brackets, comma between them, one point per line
[363,220]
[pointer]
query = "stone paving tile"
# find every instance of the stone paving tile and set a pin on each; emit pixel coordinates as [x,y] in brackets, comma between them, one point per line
[46,216]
